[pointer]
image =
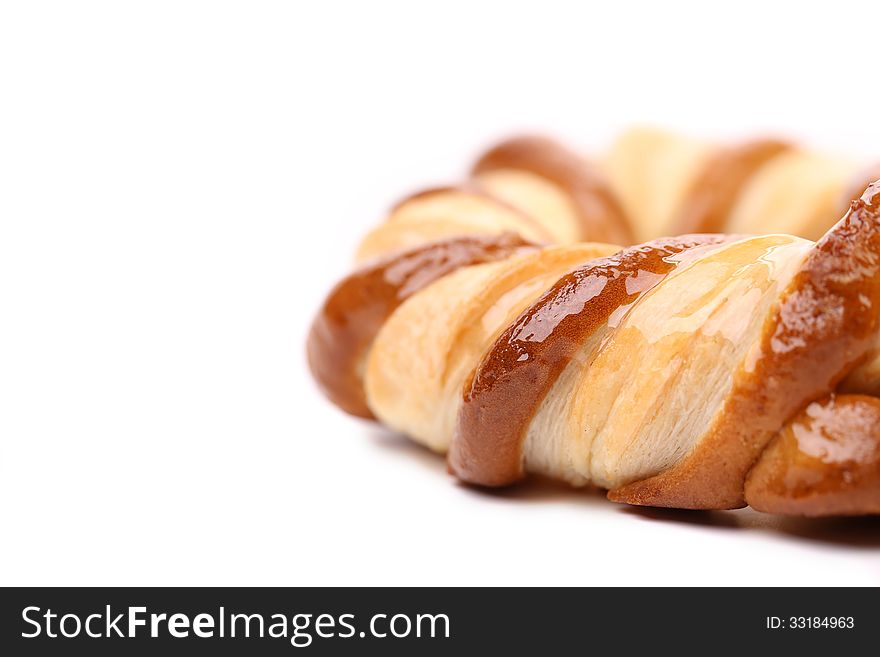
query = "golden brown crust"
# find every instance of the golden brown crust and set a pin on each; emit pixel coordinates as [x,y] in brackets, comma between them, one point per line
[519,369]
[356,308]
[601,215]
[714,192]
[825,462]
[824,324]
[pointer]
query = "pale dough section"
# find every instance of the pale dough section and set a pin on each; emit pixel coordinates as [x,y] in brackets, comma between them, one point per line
[443,214]
[651,171]
[646,388]
[538,197]
[431,344]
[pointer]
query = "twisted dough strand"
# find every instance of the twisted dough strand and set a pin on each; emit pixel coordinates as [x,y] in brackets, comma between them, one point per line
[667,372]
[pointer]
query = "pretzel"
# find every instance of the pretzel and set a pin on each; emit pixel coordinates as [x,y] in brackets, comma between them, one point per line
[496,322]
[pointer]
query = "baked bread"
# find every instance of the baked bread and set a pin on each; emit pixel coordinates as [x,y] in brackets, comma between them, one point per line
[498,323]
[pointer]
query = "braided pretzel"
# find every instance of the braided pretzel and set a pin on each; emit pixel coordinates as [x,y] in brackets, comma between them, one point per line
[703,371]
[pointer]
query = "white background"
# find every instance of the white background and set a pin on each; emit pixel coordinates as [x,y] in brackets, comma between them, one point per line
[180,183]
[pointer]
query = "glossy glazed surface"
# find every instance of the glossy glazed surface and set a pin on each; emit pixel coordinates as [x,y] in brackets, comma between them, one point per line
[428,347]
[824,462]
[520,368]
[825,323]
[664,373]
[356,308]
